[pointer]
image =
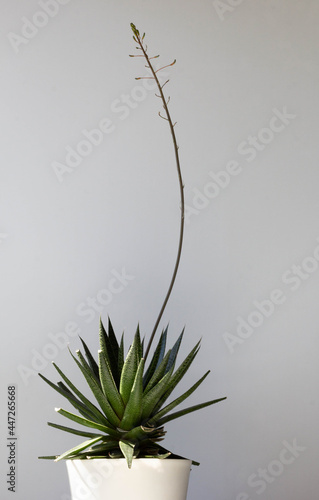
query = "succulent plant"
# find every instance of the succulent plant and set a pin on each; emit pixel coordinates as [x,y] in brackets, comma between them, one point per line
[132,399]
[132,412]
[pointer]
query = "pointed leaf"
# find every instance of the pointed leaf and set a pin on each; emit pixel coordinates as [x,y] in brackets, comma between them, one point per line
[87,423]
[93,364]
[64,391]
[77,448]
[91,407]
[133,409]
[88,410]
[178,375]
[139,344]
[159,352]
[180,413]
[158,373]
[129,369]
[110,348]
[127,449]
[174,351]
[177,401]
[97,391]
[104,345]
[162,349]
[120,360]
[151,399]
[74,431]
[113,340]
[109,386]
[139,433]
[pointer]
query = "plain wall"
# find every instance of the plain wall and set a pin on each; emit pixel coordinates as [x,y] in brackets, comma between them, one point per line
[244,93]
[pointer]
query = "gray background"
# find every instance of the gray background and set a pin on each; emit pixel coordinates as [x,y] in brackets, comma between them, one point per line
[240,66]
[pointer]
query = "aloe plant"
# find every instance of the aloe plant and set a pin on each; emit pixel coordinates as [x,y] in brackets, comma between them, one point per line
[131,406]
[131,412]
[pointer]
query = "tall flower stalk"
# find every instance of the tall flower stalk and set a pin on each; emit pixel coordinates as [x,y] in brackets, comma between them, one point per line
[141,46]
[130,408]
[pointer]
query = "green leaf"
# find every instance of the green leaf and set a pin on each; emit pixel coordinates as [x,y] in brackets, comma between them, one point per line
[90,406]
[139,433]
[97,391]
[104,342]
[64,391]
[162,348]
[151,399]
[178,375]
[120,360]
[156,358]
[177,401]
[133,409]
[104,447]
[127,449]
[93,364]
[110,348]
[113,340]
[181,413]
[174,351]
[129,368]
[77,449]
[74,431]
[139,344]
[88,410]
[158,373]
[109,386]
[87,423]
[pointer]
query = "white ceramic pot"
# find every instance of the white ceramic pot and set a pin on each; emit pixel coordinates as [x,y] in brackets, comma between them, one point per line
[111,479]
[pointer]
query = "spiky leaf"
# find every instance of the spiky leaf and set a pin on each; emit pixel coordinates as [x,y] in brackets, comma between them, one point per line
[78,448]
[177,401]
[87,423]
[158,373]
[157,357]
[150,400]
[181,413]
[109,387]
[133,409]
[97,391]
[130,367]
[74,431]
[127,449]
[91,361]
[178,375]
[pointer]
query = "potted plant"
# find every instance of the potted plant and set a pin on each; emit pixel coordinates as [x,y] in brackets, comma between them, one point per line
[122,454]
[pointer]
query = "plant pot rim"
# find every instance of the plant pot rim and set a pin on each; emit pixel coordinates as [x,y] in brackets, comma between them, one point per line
[124,459]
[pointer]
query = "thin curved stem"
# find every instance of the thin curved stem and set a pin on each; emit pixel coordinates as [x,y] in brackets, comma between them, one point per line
[180,181]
